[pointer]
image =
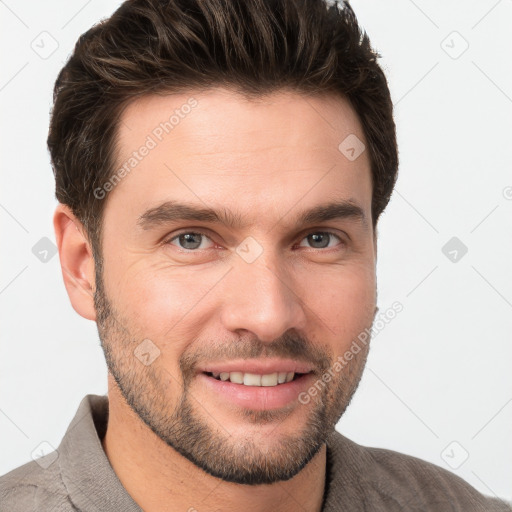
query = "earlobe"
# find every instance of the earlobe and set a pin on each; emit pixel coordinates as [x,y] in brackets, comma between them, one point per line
[76,260]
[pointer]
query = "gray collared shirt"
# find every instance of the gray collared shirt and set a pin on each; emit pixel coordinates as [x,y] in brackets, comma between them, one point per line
[78,476]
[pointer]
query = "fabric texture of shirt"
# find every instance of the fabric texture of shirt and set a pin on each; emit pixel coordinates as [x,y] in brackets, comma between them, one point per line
[78,476]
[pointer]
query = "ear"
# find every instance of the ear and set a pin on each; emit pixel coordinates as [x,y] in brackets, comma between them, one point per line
[76,261]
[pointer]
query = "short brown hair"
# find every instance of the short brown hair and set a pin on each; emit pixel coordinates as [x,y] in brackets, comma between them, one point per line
[175,46]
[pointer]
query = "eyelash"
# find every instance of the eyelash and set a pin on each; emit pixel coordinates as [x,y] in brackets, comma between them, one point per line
[174,237]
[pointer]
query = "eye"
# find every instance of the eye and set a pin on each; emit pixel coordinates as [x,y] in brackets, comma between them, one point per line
[322,239]
[189,240]
[195,240]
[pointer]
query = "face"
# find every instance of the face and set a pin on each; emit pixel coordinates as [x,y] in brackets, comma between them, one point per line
[238,268]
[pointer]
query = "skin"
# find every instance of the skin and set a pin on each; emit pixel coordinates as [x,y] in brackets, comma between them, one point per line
[266,160]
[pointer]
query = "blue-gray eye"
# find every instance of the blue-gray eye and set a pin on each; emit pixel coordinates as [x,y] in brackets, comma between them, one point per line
[321,239]
[189,240]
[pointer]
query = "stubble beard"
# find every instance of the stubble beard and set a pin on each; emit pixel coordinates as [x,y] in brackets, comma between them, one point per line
[205,442]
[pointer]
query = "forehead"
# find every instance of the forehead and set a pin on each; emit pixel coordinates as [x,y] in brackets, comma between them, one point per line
[218,148]
[223,119]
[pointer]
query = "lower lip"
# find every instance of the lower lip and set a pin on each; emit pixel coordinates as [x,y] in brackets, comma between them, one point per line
[258,398]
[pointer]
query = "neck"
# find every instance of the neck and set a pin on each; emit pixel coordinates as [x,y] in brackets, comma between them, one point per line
[156,476]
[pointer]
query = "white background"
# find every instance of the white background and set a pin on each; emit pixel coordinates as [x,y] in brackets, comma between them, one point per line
[438,383]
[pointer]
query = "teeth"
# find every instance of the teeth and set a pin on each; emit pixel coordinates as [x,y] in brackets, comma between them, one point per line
[269,380]
[236,377]
[253,379]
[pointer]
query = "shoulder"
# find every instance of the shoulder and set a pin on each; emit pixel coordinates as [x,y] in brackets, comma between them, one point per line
[35,486]
[404,481]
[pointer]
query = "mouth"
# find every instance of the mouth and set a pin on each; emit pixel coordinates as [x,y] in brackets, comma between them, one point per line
[255,379]
[256,385]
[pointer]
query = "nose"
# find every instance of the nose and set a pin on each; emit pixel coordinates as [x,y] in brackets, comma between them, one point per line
[262,298]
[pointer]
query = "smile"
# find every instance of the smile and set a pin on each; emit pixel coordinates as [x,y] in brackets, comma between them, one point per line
[256,385]
[254,379]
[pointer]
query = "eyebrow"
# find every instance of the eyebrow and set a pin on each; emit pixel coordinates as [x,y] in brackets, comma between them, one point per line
[174,211]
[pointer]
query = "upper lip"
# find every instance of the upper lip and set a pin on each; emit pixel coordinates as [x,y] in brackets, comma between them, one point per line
[257,366]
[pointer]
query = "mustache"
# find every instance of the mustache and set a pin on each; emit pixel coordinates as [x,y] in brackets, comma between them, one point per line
[289,346]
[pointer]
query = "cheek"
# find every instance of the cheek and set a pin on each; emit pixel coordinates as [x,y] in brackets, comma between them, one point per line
[170,305]
[344,300]
[165,304]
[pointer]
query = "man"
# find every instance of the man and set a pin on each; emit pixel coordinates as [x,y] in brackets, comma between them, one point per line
[220,169]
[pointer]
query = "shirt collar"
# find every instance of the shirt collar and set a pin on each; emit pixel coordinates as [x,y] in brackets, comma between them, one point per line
[86,472]
[92,483]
